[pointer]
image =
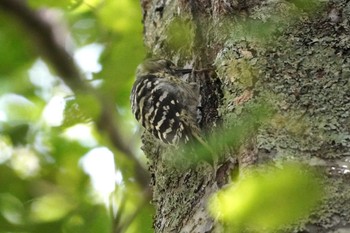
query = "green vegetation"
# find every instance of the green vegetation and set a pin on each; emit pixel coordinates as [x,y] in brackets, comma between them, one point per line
[48,138]
[268,199]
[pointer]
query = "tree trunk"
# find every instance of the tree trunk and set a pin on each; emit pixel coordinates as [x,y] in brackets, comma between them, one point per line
[294,54]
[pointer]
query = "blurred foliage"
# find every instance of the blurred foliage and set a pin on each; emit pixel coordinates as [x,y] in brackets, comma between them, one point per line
[180,36]
[118,71]
[268,199]
[15,52]
[242,126]
[46,3]
[46,132]
[237,131]
[264,23]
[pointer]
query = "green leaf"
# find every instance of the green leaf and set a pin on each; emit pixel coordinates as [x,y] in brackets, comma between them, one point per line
[67,4]
[180,36]
[268,199]
[17,109]
[50,207]
[121,16]
[88,219]
[16,51]
[11,208]
[124,47]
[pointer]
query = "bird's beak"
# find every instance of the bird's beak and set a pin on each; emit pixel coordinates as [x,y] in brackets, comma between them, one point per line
[183,71]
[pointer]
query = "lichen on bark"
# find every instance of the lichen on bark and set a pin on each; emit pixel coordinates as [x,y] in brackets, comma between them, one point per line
[295,56]
[304,72]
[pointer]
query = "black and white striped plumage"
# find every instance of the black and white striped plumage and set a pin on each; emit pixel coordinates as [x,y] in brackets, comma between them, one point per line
[164,103]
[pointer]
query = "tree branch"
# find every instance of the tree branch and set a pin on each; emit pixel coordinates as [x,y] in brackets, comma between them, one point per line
[52,49]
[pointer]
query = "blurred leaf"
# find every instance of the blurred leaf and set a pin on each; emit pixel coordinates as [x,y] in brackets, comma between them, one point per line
[121,16]
[11,208]
[17,109]
[17,133]
[87,6]
[180,36]
[68,4]
[10,181]
[310,5]
[238,130]
[124,47]
[88,219]
[25,162]
[16,52]
[242,126]
[74,224]
[82,109]
[66,172]
[129,201]
[17,82]
[120,61]
[262,27]
[50,207]
[143,222]
[74,115]
[268,199]
[5,148]
[85,28]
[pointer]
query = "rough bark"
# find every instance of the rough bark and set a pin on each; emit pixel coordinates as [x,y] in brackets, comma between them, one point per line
[293,53]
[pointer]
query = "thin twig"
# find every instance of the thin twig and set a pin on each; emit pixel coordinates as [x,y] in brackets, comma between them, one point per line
[120,228]
[116,216]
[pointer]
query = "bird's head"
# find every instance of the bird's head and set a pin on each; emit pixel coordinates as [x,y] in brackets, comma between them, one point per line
[152,66]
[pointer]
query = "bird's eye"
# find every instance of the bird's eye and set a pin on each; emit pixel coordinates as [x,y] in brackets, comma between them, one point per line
[169,64]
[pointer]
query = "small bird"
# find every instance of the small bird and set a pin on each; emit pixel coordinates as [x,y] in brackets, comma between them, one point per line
[165,103]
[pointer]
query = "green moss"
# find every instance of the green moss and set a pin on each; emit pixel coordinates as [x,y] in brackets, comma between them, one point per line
[303,68]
